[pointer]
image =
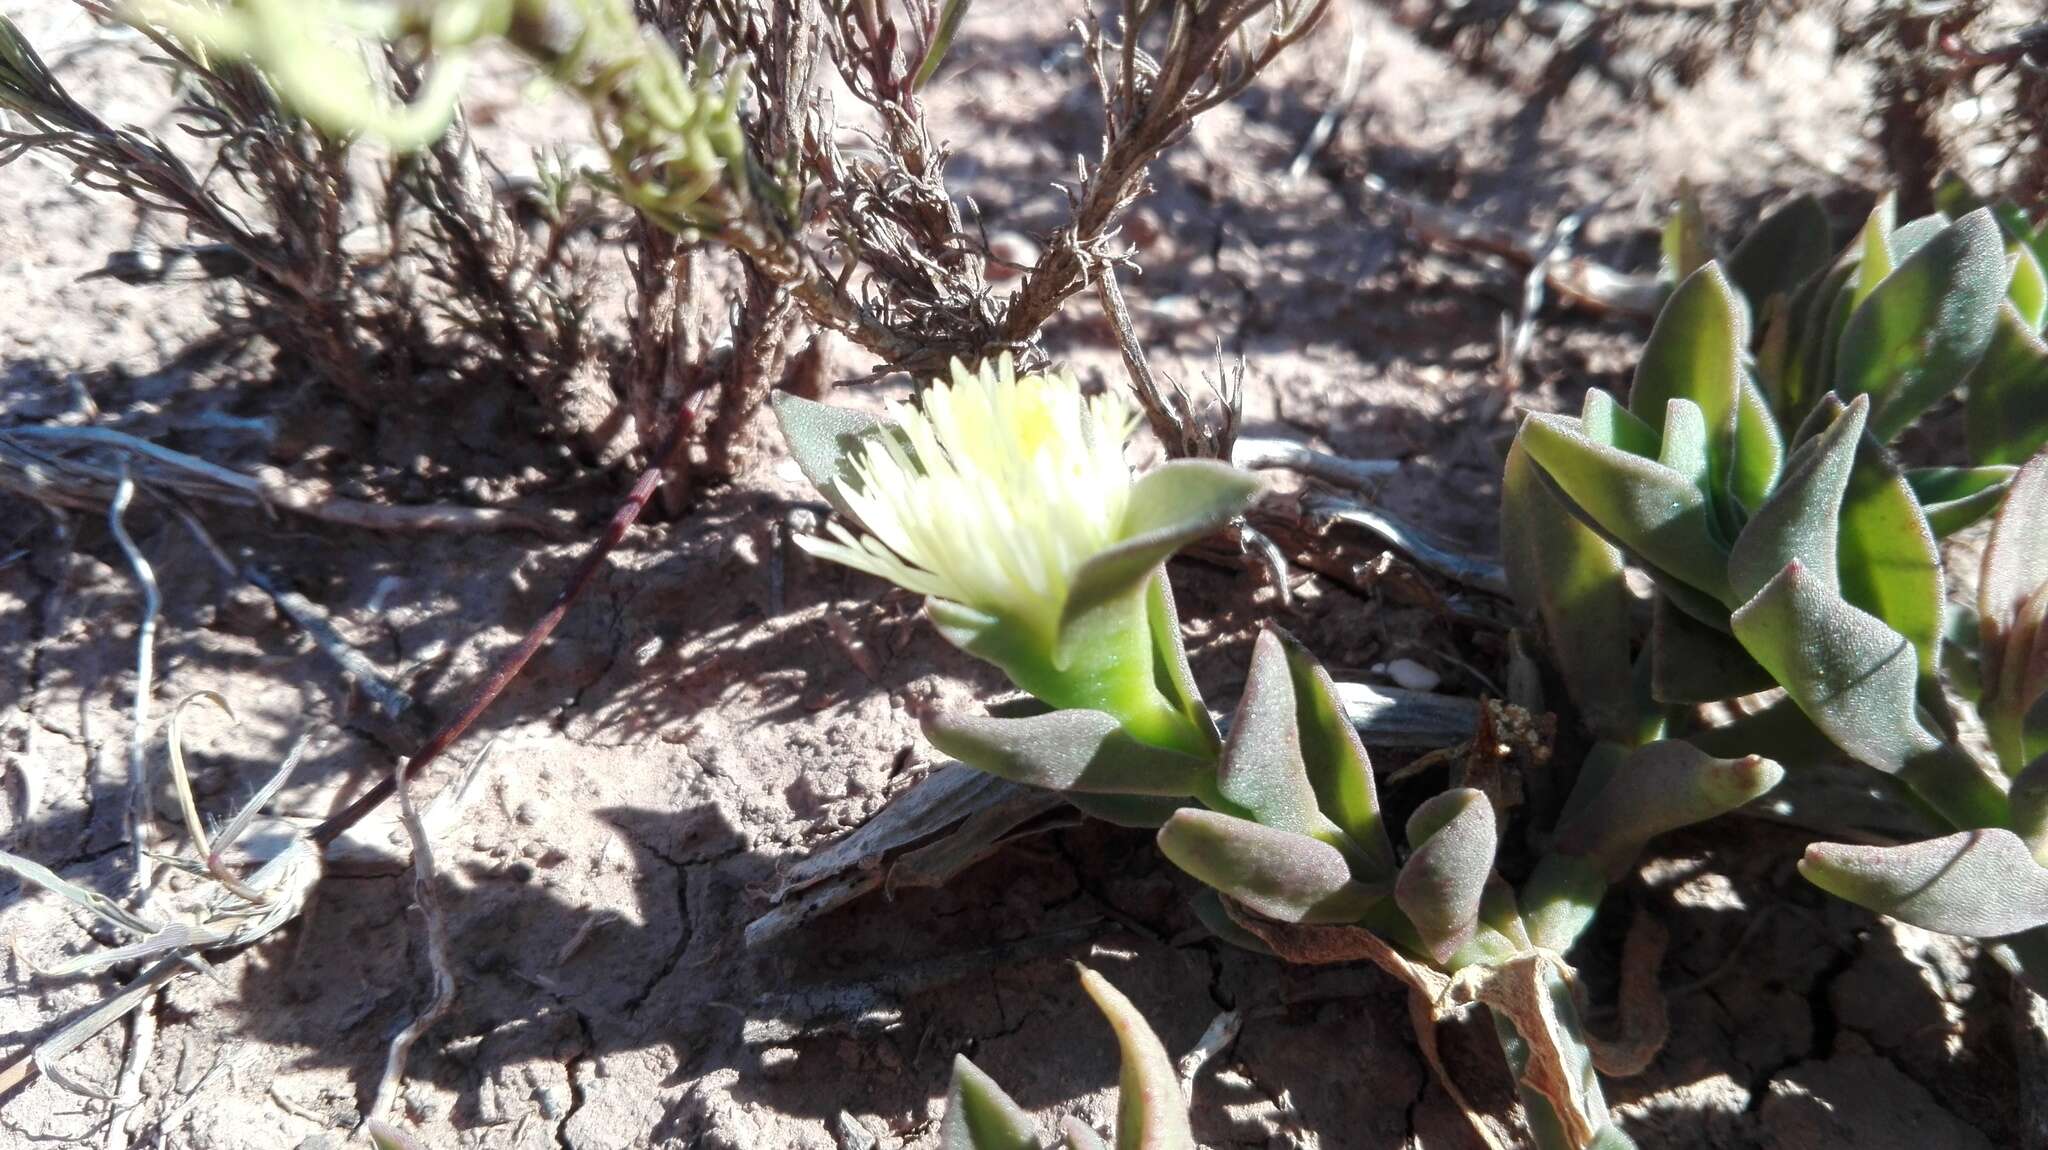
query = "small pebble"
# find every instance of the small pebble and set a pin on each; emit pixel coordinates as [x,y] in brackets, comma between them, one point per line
[1413,675]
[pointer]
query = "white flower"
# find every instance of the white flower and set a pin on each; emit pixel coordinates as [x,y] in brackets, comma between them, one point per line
[1007,486]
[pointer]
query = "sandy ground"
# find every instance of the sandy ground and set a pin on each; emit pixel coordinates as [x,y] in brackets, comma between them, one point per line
[718,707]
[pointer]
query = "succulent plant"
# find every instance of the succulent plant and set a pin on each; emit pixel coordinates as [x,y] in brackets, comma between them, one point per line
[1152,1114]
[1750,478]
[1005,500]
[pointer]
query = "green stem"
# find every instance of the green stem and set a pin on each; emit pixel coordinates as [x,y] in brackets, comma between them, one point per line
[1560,898]
[1547,1129]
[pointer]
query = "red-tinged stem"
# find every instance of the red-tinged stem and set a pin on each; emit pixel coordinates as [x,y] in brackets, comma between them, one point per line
[516,659]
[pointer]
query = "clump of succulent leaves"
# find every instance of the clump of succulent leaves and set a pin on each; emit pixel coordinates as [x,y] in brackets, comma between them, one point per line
[1799,605]
[1007,502]
[1152,1114]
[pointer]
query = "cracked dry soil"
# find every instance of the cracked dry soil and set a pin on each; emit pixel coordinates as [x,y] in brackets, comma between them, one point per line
[700,721]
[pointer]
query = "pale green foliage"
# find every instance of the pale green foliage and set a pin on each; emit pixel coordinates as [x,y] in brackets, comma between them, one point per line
[1754,482]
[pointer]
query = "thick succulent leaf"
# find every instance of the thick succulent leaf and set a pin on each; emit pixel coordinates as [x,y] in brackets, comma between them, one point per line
[1139,812]
[1685,244]
[1658,788]
[1441,885]
[1979,884]
[980,1116]
[1908,238]
[1684,447]
[1171,674]
[1071,750]
[1926,325]
[1643,506]
[1890,562]
[1758,449]
[1605,421]
[1170,506]
[2015,568]
[1694,351]
[1803,374]
[1953,498]
[1262,772]
[1151,1112]
[2005,413]
[823,439]
[2028,801]
[2028,291]
[1953,196]
[1780,731]
[1786,247]
[1335,758]
[1801,521]
[1853,676]
[1874,245]
[1691,662]
[1571,580]
[1695,354]
[1279,874]
[1831,321]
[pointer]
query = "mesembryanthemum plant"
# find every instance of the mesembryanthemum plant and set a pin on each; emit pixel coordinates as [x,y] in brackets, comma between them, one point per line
[1152,1113]
[1006,501]
[1797,561]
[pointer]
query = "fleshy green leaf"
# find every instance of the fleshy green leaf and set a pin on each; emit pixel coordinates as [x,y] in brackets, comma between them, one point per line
[1071,750]
[1262,772]
[1691,662]
[1605,421]
[1979,884]
[1279,874]
[1832,317]
[1759,449]
[1684,447]
[1151,1112]
[1909,237]
[1801,521]
[823,439]
[1660,788]
[1171,674]
[1926,325]
[1685,244]
[2012,609]
[1874,243]
[1782,251]
[2005,412]
[1851,674]
[1804,373]
[1570,579]
[1139,812]
[1956,497]
[1441,885]
[1170,506]
[1643,506]
[980,1116]
[1695,353]
[1890,561]
[2029,802]
[1337,765]
[2028,291]
[1953,196]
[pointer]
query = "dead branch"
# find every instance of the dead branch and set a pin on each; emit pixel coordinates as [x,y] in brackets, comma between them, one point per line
[1578,280]
[60,466]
